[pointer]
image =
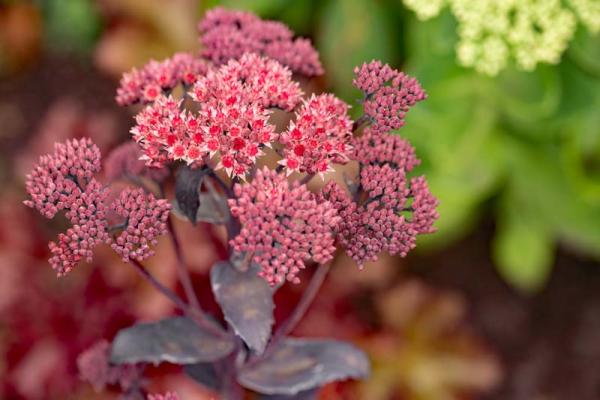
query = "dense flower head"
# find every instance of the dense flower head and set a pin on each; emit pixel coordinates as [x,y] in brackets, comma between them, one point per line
[367,230]
[124,162]
[588,12]
[371,76]
[234,114]
[64,181]
[94,368]
[166,396]
[227,35]
[58,178]
[251,79]
[374,148]
[389,94]
[423,206]
[156,77]
[283,226]
[233,119]
[388,220]
[320,135]
[145,220]
[74,246]
[161,131]
[530,31]
[390,210]
[89,205]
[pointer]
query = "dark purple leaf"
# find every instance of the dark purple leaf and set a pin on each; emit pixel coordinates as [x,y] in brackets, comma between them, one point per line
[187,188]
[247,303]
[177,340]
[205,374]
[297,365]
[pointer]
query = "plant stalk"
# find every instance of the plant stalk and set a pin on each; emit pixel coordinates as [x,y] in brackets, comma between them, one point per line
[198,316]
[184,275]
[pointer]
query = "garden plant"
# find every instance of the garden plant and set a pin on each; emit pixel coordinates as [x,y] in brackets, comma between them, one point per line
[209,145]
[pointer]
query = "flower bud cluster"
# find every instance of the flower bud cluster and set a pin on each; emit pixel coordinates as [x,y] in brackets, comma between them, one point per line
[145,219]
[64,181]
[157,77]
[392,210]
[283,225]
[389,94]
[227,35]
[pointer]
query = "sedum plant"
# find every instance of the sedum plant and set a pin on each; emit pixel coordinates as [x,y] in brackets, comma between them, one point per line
[206,120]
[529,31]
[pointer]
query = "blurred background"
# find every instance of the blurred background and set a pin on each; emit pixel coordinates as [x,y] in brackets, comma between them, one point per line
[503,302]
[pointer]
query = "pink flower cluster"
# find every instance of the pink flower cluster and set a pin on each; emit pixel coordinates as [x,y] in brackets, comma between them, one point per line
[389,94]
[394,210]
[94,367]
[87,213]
[64,181]
[232,120]
[321,135]
[166,396]
[58,180]
[373,148]
[227,35]
[283,226]
[145,220]
[161,131]
[157,77]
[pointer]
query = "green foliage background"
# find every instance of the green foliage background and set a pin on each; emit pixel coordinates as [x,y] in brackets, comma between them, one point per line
[523,145]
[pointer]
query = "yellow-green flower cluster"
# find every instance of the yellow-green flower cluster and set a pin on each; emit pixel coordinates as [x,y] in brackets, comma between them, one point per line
[588,12]
[492,32]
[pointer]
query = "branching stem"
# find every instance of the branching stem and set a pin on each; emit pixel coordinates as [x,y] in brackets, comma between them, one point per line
[307,298]
[184,275]
[198,316]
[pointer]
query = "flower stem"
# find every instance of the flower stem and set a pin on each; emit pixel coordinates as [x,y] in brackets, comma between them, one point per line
[361,120]
[184,275]
[307,298]
[198,316]
[168,293]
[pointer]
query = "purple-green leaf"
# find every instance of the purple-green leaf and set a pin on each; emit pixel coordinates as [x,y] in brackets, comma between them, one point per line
[298,365]
[206,374]
[247,303]
[177,340]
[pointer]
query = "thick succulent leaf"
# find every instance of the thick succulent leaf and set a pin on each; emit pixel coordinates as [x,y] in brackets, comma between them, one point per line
[205,374]
[177,340]
[297,365]
[523,248]
[247,303]
[187,188]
